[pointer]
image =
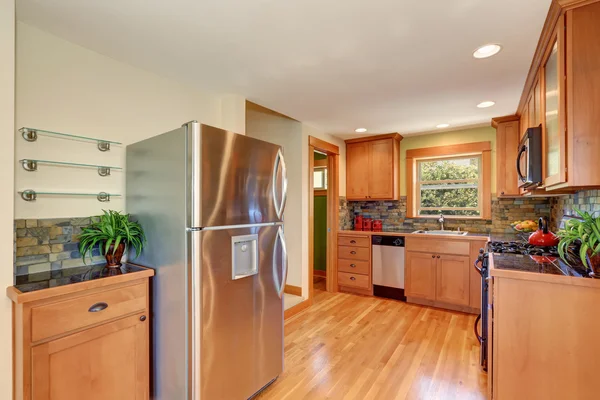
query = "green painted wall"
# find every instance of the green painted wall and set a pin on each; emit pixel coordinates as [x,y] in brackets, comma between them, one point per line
[485,134]
[320,244]
[320,232]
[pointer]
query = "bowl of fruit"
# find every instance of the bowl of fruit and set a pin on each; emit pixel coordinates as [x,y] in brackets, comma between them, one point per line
[524,226]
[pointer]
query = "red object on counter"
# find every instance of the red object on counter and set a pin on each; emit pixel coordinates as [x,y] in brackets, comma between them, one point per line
[377,225]
[358,223]
[367,224]
[543,237]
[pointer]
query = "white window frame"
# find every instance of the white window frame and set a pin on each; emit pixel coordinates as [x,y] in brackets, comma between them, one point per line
[478,181]
[323,172]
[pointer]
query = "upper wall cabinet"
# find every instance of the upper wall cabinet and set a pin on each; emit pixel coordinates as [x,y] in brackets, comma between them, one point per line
[372,168]
[507,147]
[562,93]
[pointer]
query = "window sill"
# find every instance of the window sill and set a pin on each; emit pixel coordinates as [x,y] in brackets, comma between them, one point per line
[447,217]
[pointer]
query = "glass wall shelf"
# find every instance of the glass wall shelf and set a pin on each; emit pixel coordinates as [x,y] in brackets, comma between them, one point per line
[31,195]
[31,135]
[29,164]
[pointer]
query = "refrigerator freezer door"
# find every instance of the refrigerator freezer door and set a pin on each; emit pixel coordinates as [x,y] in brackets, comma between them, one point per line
[241,328]
[236,180]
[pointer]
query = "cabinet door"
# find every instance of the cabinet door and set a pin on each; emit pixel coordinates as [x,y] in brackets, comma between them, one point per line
[420,275]
[531,107]
[507,144]
[554,113]
[381,169]
[106,362]
[357,171]
[524,123]
[453,279]
[537,96]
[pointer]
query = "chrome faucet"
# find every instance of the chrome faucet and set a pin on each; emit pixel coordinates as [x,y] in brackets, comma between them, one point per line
[441,220]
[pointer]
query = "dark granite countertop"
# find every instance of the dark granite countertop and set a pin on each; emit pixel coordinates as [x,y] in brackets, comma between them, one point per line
[538,264]
[67,276]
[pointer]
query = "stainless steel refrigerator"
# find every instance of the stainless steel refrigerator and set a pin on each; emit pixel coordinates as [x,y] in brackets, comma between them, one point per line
[211,204]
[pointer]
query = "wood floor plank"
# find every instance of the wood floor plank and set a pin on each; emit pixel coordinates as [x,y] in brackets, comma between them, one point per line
[353,347]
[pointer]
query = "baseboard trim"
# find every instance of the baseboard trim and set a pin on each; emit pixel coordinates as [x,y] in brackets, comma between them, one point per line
[290,312]
[295,290]
[318,272]
[445,306]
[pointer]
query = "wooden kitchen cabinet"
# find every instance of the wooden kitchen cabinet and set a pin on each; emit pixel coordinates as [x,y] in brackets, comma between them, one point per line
[373,168]
[420,275]
[453,279]
[106,362]
[354,263]
[507,148]
[83,340]
[439,272]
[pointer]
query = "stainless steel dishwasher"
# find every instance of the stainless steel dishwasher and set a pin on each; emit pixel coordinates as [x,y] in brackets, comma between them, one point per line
[388,266]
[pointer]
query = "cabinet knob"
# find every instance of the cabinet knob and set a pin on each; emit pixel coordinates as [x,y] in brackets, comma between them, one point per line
[433,256]
[438,256]
[352,252]
[353,265]
[352,278]
[143,318]
[353,241]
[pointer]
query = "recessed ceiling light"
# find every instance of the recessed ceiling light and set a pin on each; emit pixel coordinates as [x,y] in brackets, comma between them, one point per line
[487,51]
[486,104]
[360,130]
[441,126]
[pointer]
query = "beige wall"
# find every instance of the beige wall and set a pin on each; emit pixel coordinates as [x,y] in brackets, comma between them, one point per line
[7,118]
[486,134]
[67,88]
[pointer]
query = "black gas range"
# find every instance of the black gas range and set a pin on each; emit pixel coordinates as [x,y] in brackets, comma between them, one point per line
[522,248]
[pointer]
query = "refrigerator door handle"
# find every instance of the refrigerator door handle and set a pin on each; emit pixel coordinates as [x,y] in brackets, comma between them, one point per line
[279,207]
[284,269]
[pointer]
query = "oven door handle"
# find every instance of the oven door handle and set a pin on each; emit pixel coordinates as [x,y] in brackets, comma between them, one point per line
[477,268]
[479,338]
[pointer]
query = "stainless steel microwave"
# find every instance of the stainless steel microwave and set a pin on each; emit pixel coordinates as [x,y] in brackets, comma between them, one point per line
[529,158]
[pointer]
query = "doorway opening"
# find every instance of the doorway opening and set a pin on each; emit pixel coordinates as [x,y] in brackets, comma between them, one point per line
[322,216]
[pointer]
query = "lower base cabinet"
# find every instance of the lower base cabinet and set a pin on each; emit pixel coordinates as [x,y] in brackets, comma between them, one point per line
[87,340]
[420,275]
[452,279]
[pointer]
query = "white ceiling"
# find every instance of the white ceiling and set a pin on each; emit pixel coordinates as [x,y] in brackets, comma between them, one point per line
[386,65]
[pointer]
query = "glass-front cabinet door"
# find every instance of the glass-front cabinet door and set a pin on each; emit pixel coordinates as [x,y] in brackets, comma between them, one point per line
[553,119]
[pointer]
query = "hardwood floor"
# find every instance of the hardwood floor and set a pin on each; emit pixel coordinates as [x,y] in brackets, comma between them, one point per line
[319,283]
[353,347]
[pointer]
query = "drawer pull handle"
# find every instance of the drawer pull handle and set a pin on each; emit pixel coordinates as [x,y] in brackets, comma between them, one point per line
[98,307]
[352,252]
[352,278]
[353,265]
[353,241]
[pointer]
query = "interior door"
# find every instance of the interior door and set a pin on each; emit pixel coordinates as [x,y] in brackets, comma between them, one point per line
[420,275]
[381,173]
[357,175]
[241,326]
[453,279]
[106,362]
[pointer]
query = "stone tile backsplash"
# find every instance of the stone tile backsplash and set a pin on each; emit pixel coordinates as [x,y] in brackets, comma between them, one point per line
[393,215]
[49,244]
[585,200]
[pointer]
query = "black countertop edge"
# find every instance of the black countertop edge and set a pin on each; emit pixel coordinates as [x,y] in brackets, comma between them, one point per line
[68,276]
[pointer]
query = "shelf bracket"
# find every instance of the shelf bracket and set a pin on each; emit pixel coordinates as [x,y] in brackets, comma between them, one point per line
[29,165]
[103,146]
[28,195]
[29,134]
[103,197]
[104,171]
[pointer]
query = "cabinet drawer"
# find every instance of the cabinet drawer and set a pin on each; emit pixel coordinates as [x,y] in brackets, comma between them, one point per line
[354,280]
[354,266]
[357,241]
[354,253]
[438,246]
[65,316]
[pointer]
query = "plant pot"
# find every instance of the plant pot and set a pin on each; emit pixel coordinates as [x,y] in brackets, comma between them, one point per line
[114,260]
[594,264]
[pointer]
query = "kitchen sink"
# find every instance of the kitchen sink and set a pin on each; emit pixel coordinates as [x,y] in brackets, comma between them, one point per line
[455,233]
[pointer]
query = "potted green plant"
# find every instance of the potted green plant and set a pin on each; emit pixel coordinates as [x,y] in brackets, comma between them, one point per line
[585,233]
[114,233]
